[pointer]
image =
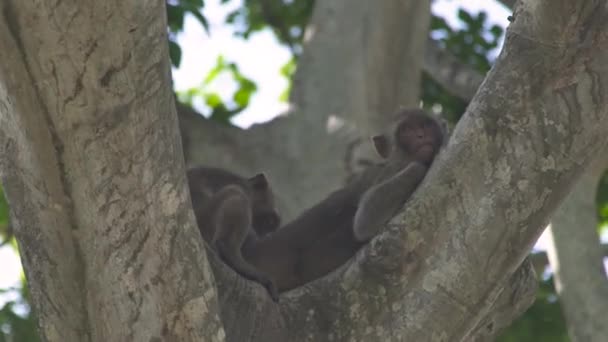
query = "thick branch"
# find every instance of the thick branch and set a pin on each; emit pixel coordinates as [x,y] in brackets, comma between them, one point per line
[33,184]
[90,145]
[455,76]
[513,157]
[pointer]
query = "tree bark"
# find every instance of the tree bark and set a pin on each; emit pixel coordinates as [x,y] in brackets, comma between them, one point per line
[95,177]
[576,254]
[576,258]
[512,158]
[93,171]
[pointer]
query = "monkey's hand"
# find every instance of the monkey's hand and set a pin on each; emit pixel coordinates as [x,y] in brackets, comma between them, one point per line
[380,203]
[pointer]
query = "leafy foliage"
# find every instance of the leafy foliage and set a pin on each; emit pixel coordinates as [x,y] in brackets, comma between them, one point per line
[602,201]
[287,71]
[472,45]
[221,110]
[17,322]
[287,19]
[4,228]
[176,11]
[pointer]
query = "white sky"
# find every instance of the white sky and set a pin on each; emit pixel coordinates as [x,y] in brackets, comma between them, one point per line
[258,58]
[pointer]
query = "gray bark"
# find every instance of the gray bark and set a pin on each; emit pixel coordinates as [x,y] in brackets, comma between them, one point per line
[575,252]
[511,160]
[576,258]
[93,172]
[92,156]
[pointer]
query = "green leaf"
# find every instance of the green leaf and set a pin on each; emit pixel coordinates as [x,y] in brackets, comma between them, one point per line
[175,53]
[194,3]
[220,65]
[496,31]
[213,100]
[175,18]
[241,97]
[201,19]
[5,235]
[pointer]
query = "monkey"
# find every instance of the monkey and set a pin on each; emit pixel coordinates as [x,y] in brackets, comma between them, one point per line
[415,141]
[328,234]
[232,212]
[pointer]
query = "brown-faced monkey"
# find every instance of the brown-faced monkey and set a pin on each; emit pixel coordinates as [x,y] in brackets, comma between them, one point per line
[232,212]
[414,142]
[325,236]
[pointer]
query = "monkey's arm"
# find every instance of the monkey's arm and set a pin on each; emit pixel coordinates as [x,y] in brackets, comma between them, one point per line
[384,199]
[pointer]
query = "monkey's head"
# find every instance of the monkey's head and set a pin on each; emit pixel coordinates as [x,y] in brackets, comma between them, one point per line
[417,135]
[266,218]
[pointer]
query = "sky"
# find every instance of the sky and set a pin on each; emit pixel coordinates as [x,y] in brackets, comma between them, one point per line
[261,57]
[258,58]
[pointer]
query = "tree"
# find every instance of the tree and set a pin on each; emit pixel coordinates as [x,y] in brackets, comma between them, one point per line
[111,238]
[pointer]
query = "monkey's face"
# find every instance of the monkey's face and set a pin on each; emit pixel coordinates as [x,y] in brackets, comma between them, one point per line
[419,136]
[265,223]
[265,218]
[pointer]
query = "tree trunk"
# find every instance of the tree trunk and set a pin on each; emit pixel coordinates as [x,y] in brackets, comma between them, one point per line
[576,254]
[93,172]
[94,175]
[576,258]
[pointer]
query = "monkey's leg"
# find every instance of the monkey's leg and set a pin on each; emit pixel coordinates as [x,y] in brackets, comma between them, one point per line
[233,223]
[384,199]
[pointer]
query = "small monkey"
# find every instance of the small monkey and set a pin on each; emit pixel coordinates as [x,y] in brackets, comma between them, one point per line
[232,212]
[325,236]
[414,143]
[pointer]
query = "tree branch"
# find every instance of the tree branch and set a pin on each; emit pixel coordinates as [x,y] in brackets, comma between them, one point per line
[28,164]
[505,170]
[456,77]
[89,139]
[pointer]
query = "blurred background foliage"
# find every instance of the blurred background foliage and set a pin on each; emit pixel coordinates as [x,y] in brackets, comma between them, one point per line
[474,43]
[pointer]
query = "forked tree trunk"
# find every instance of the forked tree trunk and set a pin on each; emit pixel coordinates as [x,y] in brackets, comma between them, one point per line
[92,168]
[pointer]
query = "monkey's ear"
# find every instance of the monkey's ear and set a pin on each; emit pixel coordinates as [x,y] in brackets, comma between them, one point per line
[382,145]
[258,181]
